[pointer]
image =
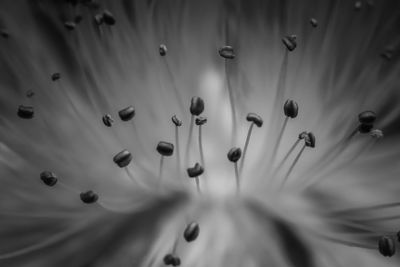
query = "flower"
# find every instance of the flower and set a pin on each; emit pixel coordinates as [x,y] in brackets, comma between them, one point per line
[320,189]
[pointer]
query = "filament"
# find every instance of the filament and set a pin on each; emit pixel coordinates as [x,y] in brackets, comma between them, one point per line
[246,145]
[201,148]
[160,172]
[237,179]
[293,164]
[198,185]
[189,140]
[286,157]
[232,103]
[178,154]
[275,150]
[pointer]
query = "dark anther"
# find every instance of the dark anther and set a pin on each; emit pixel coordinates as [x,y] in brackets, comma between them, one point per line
[234,154]
[89,197]
[25,112]
[291,108]
[176,121]
[127,113]
[195,171]
[365,128]
[310,140]
[70,25]
[108,18]
[168,259]
[227,52]
[48,178]
[165,148]
[313,22]
[386,246]
[196,106]
[367,117]
[123,158]
[55,76]
[191,232]
[290,42]
[303,135]
[107,120]
[163,49]
[200,121]
[252,117]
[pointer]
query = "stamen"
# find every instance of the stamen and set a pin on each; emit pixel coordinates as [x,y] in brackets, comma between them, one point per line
[165,149]
[195,172]
[199,122]
[227,53]
[291,109]
[234,155]
[255,120]
[178,123]
[192,231]
[309,142]
[30,93]
[196,108]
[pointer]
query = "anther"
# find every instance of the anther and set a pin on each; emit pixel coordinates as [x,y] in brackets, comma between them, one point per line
[176,121]
[310,140]
[55,76]
[48,178]
[358,5]
[386,246]
[70,25]
[290,42]
[191,232]
[195,172]
[367,117]
[127,113]
[30,93]
[227,52]
[89,197]
[108,120]
[255,120]
[98,19]
[314,22]
[165,149]
[365,128]
[108,17]
[162,50]
[168,259]
[176,261]
[376,134]
[200,121]
[25,112]
[196,106]
[234,155]
[291,108]
[123,158]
